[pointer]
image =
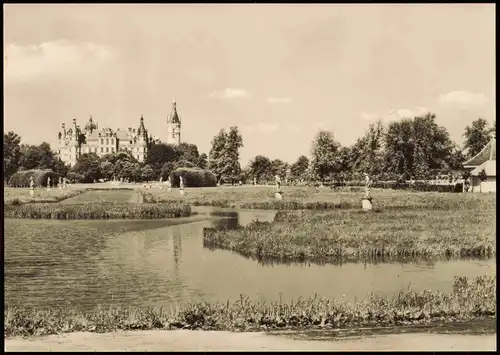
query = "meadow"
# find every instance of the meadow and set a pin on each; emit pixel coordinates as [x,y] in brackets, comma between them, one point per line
[470,300]
[17,195]
[262,197]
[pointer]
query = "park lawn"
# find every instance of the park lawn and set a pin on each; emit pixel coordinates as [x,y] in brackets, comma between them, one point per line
[263,197]
[356,236]
[101,196]
[22,195]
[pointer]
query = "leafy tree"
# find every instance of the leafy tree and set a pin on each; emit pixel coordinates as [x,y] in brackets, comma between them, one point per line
[230,168]
[260,168]
[477,136]
[202,161]
[11,153]
[167,169]
[280,168]
[299,168]
[87,166]
[324,150]
[107,169]
[367,154]
[216,154]
[188,152]
[60,167]
[147,173]
[456,159]
[159,154]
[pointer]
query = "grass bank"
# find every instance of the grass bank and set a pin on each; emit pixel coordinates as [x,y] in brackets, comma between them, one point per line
[262,197]
[104,210]
[355,236]
[471,300]
[19,196]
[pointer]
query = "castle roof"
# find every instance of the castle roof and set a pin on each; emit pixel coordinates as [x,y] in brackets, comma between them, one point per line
[489,166]
[489,152]
[174,117]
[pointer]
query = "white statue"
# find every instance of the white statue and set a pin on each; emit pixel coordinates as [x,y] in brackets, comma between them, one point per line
[48,181]
[32,183]
[181,182]
[278,183]
[368,184]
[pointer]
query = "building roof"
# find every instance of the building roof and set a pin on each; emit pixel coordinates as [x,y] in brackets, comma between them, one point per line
[489,152]
[174,117]
[489,166]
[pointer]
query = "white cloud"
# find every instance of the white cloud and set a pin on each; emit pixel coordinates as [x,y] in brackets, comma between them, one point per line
[395,114]
[55,58]
[370,116]
[279,100]
[229,93]
[463,99]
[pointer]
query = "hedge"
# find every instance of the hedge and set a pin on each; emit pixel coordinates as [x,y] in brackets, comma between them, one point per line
[193,177]
[417,186]
[22,178]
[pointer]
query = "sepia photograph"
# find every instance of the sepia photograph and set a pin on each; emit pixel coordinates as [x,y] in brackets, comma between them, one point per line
[249,177]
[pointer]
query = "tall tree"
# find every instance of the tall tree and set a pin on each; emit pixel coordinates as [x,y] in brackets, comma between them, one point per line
[160,154]
[280,168]
[231,168]
[202,162]
[477,136]
[299,168]
[368,151]
[87,166]
[324,150]
[216,154]
[11,153]
[260,168]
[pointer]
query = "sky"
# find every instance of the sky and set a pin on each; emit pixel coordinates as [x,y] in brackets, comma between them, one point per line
[278,72]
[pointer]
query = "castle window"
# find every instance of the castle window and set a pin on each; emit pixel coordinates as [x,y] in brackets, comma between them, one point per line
[107,141]
[107,150]
[102,140]
[112,141]
[102,149]
[112,150]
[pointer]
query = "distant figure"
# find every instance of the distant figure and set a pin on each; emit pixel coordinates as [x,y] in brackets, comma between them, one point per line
[368,185]
[48,182]
[181,182]
[255,181]
[278,183]
[240,183]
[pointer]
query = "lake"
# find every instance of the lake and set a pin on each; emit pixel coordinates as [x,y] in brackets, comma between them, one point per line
[85,264]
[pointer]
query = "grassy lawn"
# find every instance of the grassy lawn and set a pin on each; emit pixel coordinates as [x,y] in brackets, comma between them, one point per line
[263,197]
[103,196]
[41,194]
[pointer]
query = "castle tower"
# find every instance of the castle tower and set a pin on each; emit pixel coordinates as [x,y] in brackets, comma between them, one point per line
[174,126]
[73,146]
[142,141]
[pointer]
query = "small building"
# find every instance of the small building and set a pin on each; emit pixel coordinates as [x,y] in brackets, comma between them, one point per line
[484,160]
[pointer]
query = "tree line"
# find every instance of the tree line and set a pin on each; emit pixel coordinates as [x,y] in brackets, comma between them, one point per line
[415,148]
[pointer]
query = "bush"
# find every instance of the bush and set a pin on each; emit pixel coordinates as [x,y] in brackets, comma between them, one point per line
[22,178]
[193,177]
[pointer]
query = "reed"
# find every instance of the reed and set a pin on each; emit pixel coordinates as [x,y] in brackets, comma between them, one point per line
[471,299]
[355,236]
[98,211]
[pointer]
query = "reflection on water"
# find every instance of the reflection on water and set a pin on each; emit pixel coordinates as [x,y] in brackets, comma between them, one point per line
[163,262]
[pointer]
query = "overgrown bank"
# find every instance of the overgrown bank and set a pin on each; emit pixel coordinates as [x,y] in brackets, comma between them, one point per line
[107,210]
[355,236]
[471,299]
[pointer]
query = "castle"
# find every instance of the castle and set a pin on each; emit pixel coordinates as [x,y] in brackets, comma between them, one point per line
[74,142]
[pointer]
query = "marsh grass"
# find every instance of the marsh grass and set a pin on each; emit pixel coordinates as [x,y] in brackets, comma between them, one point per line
[103,210]
[355,236]
[262,197]
[471,299]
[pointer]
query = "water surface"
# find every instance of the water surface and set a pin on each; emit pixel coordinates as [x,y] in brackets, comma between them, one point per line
[163,263]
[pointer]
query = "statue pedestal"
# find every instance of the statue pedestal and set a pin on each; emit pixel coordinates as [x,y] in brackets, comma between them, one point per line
[366,203]
[169,189]
[181,191]
[32,192]
[48,188]
[278,195]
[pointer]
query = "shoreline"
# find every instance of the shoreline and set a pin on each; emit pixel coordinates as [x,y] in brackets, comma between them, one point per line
[185,340]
